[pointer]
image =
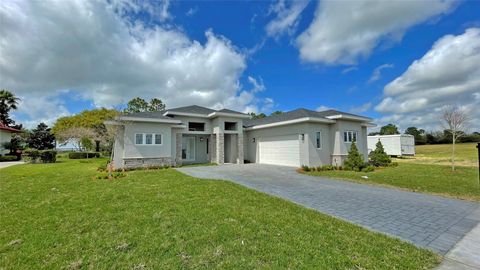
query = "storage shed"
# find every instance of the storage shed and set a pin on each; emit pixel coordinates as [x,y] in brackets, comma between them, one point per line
[395,145]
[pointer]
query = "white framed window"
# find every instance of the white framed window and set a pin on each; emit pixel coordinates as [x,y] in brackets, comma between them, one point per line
[148,139]
[349,136]
[318,139]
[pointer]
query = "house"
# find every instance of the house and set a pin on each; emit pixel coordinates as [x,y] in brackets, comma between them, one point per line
[5,137]
[196,134]
[394,145]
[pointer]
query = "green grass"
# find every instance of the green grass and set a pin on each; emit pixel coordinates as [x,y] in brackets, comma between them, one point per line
[57,216]
[437,179]
[465,154]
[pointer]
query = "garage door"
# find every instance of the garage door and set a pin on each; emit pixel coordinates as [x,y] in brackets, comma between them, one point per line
[279,150]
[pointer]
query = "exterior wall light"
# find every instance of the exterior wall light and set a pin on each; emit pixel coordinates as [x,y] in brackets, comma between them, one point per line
[303,137]
[253,140]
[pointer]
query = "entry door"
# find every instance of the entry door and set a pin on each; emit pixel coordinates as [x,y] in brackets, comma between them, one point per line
[188,148]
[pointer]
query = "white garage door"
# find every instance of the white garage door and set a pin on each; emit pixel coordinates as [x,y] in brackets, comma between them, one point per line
[279,150]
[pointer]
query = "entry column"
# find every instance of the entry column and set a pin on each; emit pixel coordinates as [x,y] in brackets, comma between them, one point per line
[220,151]
[240,148]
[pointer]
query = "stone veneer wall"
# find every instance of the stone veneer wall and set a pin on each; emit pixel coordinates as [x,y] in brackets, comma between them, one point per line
[147,162]
[220,151]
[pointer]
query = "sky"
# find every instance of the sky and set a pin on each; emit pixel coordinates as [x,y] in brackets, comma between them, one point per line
[400,62]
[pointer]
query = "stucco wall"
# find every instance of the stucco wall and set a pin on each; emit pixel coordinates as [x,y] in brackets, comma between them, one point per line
[250,148]
[147,151]
[4,137]
[341,148]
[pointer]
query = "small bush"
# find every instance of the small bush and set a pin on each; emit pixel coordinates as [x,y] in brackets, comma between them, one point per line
[378,157]
[80,155]
[368,168]
[354,161]
[305,168]
[8,158]
[114,175]
[43,156]
[48,156]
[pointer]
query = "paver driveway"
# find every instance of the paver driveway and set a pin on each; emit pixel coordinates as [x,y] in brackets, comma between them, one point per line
[428,221]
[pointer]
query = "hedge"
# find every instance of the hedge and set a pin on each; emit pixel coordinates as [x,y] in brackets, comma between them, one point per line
[8,158]
[79,155]
[43,156]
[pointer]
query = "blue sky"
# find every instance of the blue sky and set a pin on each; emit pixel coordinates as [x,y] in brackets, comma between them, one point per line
[390,61]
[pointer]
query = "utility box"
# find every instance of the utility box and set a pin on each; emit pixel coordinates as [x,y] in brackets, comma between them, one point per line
[395,145]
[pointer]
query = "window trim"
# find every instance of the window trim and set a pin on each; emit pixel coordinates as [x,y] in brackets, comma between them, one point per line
[144,139]
[318,139]
[348,133]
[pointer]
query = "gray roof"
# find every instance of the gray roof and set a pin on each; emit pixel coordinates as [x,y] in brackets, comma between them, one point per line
[295,114]
[195,109]
[201,110]
[156,115]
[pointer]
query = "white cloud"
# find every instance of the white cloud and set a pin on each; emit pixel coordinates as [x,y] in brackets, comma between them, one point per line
[323,108]
[191,12]
[448,74]
[95,49]
[287,15]
[377,72]
[342,32]
[349,69]
[362,108]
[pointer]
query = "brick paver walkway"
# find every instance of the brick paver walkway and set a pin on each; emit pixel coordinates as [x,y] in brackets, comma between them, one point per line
[425,220]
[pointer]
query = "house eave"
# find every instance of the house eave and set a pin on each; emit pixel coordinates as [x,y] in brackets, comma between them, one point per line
[294,121]
[218,114]
[150,120]
[349,117]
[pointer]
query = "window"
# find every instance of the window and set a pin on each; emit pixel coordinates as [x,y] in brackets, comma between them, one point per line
[319,140]
[230,125]
[138,138]
[194,126]
[349,136]
[158,138]
[148,139]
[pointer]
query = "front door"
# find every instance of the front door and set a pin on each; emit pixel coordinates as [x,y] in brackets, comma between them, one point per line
[188,148]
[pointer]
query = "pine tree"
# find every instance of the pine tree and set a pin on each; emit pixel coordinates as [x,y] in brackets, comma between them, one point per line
[378,157]
[354,159]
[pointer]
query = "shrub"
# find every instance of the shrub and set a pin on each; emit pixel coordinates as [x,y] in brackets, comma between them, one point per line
[354,159]
[114,175]
[8,158]
[305,168]
[368,168]
[31,155]
[43,156]
[393,164]
[378,157]
[48,156]
[80,155]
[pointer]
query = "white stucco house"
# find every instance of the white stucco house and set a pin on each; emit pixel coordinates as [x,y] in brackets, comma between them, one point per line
[196,134]
[5,136]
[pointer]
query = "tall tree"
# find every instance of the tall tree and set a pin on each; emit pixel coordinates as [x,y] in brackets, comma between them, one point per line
[418,134]
[140,105]
[8,102]
[93,120]
[257,116]
[276,113]
[41,138]
[389,129]
[455,121]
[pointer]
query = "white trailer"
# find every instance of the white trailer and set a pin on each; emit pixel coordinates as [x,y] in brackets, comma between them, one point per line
[394,145]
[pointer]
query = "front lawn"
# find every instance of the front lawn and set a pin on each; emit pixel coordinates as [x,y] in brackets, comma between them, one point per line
[57,216]
[437,179]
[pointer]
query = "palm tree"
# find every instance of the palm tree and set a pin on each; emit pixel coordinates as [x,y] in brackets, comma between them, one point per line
[8,101]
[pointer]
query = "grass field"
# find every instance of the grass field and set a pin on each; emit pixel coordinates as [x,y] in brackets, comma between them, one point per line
[436,179]
[56,216]
[465,154]
[426,172]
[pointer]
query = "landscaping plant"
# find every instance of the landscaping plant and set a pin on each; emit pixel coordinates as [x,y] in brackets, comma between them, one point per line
[354,159]
[378,157]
